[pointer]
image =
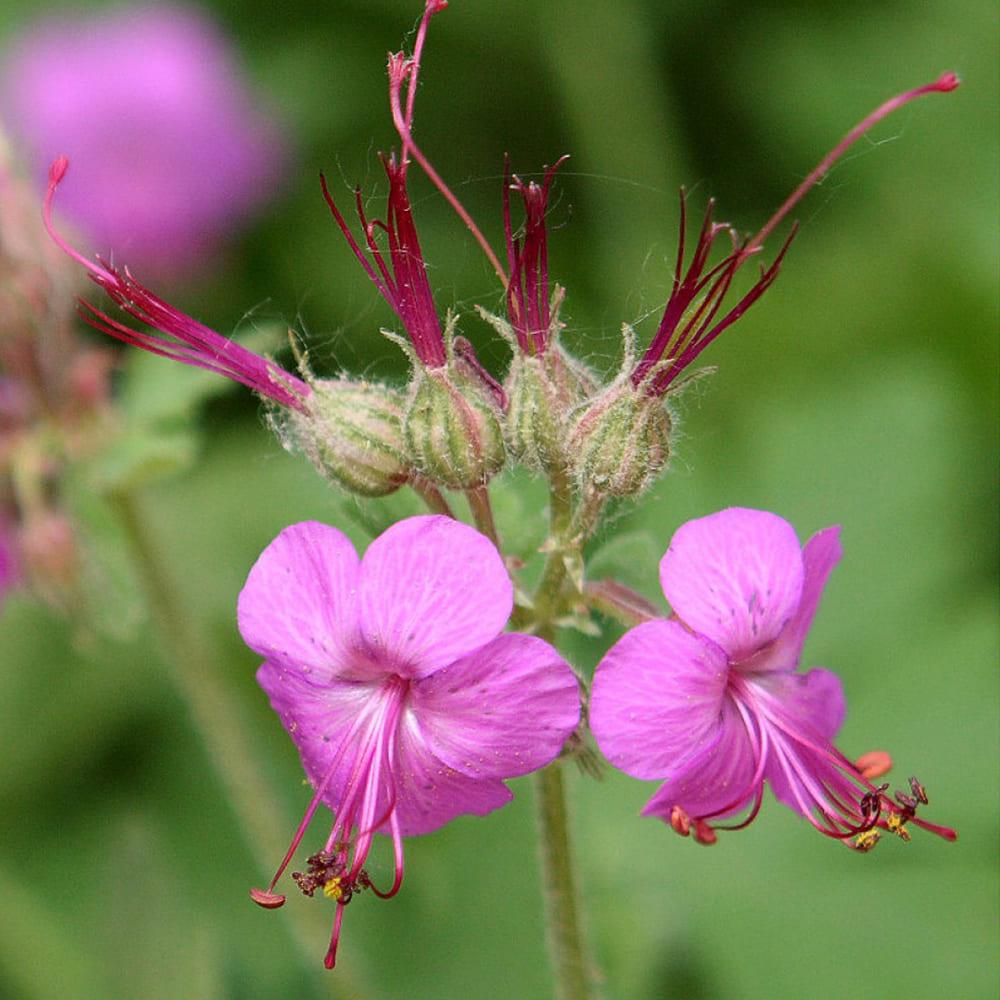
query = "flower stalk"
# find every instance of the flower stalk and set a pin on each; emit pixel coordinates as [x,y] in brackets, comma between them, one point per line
[571,964]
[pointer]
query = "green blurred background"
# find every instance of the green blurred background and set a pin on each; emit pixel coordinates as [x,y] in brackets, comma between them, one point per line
[862,390]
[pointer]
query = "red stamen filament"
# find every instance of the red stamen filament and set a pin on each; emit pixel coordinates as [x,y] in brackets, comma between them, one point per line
[681,348]
[403,70]
[373,736]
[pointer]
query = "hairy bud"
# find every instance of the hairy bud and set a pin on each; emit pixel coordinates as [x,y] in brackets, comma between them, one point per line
[453,428]
[353,433]
[620,441]
[542,391]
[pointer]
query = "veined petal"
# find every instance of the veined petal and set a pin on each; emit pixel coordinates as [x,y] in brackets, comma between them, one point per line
[429,793]
[657,696]
[431,590]
[735,577]
[504,710]
[812,706]
[319,721]
[718,779]
[819,556]
[298,605]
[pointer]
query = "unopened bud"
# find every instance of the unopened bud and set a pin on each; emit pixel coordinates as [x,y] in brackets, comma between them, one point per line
[453,428]
[620,441]
[542,391]
[353,433]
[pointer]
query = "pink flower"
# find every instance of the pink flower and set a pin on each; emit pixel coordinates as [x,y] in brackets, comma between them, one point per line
[407,705]
[710,701]
[171,147]
[183,338]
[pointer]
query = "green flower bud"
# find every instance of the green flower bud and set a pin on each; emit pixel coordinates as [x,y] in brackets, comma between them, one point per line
[453,428]
[534,416]
[620,441]
[353,433]
[542,391]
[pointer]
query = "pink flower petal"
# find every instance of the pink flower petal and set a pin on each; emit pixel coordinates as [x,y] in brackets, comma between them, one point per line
[716,781]
[429,793]
[735,577]
[426,792]
[504,710]
[657,696]
[318,719]
[298,605]
[431,590]
[814,706]
[819,556]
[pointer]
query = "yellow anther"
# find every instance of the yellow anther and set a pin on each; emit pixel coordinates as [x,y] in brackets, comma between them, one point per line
[896,824]
[864,842]
[332,889]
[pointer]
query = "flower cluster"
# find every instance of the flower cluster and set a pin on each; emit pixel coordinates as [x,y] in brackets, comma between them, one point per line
[392,673]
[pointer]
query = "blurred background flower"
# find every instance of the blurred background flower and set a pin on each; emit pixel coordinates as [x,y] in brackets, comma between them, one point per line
[862,391]
[171,149]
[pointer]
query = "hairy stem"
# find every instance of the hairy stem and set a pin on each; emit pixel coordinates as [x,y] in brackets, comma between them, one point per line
[570,965]
[219,721]
[431,495]
[482,512]
[622,603]
[568,952]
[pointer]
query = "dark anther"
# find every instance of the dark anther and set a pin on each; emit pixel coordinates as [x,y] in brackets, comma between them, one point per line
[323,866]
[907,801]
[871,805]
[919,792]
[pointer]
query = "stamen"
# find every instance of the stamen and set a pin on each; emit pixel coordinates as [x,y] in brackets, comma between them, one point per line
[874,764]
[403,70]
[680,346]
[268,900]
[942,85]
[528,290]
[703,833]
[193,343]
[680,821]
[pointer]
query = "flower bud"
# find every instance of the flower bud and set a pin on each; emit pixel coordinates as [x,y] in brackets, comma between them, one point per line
[353,433]
[620,441]
[542,391]
[453,428]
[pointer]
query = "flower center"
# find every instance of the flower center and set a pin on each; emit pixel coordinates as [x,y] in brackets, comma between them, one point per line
[363,764]
[834,794]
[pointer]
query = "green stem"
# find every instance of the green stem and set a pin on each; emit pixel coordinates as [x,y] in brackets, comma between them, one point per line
[567,949]
[431,495]
[619,602]
[219,721]
[572,971]
[482,512]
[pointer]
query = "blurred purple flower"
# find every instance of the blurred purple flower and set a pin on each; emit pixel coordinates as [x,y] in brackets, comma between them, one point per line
[407,705]
[711,703]
[10,572]
[169,147]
